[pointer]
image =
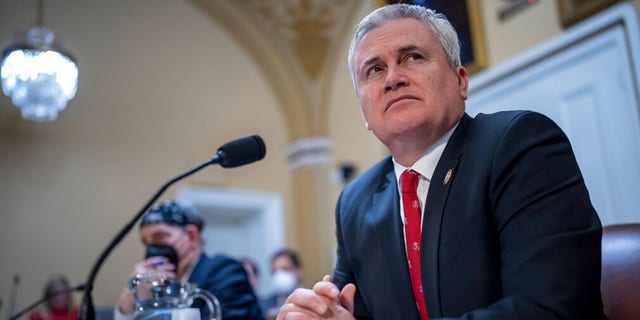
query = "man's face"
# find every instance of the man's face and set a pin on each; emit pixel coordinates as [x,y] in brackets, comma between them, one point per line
[168,235]
[60,302]
[404,83]
[283,262]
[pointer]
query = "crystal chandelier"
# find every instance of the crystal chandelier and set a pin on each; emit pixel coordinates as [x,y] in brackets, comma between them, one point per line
[39,78]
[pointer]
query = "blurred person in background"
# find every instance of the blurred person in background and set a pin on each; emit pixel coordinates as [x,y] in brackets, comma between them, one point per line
[286,276]
[59,306]
[171,232]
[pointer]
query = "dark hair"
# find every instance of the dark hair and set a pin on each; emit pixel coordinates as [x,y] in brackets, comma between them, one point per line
[173,212]
[288,253]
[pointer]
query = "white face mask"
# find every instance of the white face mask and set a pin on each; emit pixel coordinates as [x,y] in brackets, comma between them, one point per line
[283,282]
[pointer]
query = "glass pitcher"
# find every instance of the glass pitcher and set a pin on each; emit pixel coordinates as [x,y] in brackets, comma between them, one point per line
[158,298]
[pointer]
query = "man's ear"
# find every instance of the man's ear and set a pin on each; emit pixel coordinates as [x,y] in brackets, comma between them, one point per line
[463,81]
[193,233]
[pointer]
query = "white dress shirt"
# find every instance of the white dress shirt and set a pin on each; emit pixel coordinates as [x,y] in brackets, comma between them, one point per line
[425,166]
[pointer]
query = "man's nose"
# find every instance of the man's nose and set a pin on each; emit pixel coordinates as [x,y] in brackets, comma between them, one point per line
[395,79]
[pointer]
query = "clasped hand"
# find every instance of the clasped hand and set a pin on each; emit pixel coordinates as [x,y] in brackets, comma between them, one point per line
[323,301]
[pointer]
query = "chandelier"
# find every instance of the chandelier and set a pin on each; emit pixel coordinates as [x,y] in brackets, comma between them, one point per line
[39,78]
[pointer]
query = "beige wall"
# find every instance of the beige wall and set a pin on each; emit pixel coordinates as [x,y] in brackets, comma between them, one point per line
[161,87]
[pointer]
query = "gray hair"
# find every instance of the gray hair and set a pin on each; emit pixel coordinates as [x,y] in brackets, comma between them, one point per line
[437,23]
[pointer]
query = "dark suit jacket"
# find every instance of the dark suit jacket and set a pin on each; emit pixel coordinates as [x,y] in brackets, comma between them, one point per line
[228,281]
[512,235]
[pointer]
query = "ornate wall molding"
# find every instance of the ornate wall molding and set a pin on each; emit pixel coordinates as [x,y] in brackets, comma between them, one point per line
[305,28]
[296,43]
[306,152]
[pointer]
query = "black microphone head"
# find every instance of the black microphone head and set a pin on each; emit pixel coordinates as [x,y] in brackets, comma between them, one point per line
[241,151]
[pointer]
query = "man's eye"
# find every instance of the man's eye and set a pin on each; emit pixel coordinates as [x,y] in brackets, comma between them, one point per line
[374,70]
[414,57]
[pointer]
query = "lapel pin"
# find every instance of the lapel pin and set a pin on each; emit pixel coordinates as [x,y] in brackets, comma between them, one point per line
[447,177]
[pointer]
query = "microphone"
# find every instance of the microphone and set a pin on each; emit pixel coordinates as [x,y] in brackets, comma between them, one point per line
[79,287]
[232,154]
[241,151]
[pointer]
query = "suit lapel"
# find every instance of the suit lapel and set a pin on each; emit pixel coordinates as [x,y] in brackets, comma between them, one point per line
[384,218]
[441,181]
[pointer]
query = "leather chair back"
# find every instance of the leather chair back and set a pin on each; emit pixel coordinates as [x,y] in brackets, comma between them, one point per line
[620,284]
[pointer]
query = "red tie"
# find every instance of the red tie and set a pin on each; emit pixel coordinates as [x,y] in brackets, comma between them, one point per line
[411,206]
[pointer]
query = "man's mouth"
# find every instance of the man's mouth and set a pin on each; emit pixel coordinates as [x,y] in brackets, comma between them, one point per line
[397,99]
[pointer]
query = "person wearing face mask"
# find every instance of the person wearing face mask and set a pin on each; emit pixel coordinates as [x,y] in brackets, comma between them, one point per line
[171,233]
[286,276]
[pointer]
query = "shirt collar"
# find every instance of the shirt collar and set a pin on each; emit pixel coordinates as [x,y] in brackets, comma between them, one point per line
[426,164]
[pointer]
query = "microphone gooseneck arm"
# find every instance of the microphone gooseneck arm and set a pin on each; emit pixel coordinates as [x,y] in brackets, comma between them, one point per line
[87,309]
[19,314]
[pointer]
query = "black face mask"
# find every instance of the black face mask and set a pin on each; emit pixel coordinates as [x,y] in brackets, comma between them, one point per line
[163,251]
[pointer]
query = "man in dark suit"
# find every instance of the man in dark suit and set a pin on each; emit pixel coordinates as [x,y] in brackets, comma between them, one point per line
[505,227]
[171,232]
